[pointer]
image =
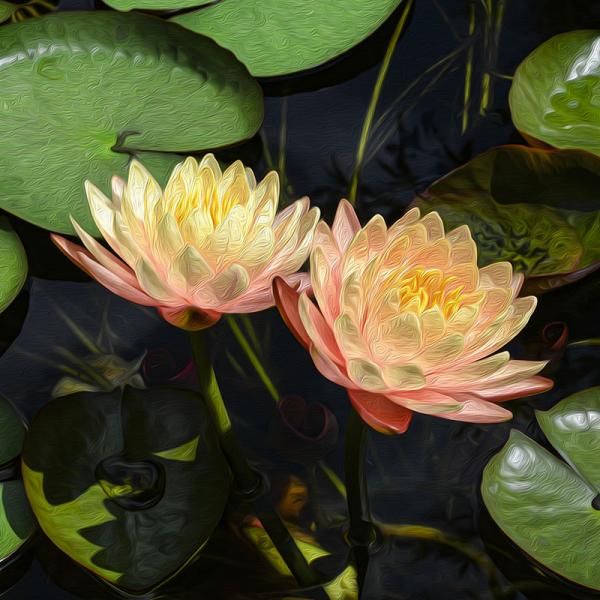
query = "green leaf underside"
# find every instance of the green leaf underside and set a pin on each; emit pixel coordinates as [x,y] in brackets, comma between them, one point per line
[516,202]
[17,523]
[80,512]
[13,264]
[279,37]
[155,4]
[12,432]
[541,502]
[555,90]
[83,92]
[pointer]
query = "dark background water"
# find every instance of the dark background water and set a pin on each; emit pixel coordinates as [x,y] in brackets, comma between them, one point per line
[430,475]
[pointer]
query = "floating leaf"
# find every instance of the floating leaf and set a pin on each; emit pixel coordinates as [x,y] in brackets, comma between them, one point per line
[546,506]
[538,209]
[554,93]
[129,485]
[17,523]
[156,4]
[279,37]
[84,92]
[13,264]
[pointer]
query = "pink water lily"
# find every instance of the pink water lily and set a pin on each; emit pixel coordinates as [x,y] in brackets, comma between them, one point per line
[406,321]
[210,243]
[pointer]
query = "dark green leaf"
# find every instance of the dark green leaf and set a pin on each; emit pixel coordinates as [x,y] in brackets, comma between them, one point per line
[17,523]
[156,4]
[129,486]
[279,37]
[538,209]
[84,92]
[12,432]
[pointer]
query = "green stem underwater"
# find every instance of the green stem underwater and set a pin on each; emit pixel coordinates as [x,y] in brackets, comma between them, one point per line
[362,533]
[248,482]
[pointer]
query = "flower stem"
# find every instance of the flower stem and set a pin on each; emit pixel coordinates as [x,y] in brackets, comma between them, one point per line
[248,481]
[252,357]
[364,135]
[362,533]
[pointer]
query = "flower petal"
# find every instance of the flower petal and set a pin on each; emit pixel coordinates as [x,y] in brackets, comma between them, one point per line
[286,300]
[378,412]
[345,224]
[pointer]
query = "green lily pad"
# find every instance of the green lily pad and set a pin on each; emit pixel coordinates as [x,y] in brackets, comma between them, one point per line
[554,92]
[13,264]
[17,523]
[155,4]
[83,92]
[538,209]
[545,505]
[129,485]
[279,37]
[12,432]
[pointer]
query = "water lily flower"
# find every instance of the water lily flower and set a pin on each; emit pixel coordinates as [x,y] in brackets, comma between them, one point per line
[210,243]
[406,321]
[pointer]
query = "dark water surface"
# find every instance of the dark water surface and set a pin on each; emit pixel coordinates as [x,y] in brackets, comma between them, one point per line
[429,476]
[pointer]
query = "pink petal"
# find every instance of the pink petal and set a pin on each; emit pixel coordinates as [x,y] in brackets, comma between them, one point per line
[526,387]
[381,414]
[478,411]
[318,329]
[330,369]
[345,224]
[110,280]
[286,299]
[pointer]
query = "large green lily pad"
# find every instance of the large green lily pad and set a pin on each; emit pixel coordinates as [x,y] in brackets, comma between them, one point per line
[83,92]
[538,209]
[545,505]
[279,37]
[129,485]
[555,90]
[155,4]
[17,523]
[13,264]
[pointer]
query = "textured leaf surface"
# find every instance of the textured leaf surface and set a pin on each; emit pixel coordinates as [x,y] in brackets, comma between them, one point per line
[278,37]
[84,92]
[156,4]
[17,523]
[541,502]
[554,92]
[130,487]
[6,10]
[573,428]
[13,264]
[538,209]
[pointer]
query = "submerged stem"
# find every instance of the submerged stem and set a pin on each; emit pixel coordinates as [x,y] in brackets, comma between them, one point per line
[362,532]
[247,481]
[364,136]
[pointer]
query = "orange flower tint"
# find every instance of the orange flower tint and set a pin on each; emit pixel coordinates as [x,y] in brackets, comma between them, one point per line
[211,243]
[406,321]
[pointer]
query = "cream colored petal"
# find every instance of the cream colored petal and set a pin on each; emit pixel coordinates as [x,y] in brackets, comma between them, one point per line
[434,255]
[446,350]
[228,240]
[154,283]
[403,377]
[349,338]
[196,227]
[366,374]
[434,225]
[258,250]
[345,224]
[326,282]
[330,369]
[250,178]
[498,274]
[470,373]
[265,199]
[230,283]
[191,273]
[142,191]
[117,185]
[233,189]
[511,373]
[464,318]
[167,240]
[410,217]
[351,297]
[210,162]
[459,235]
[433,324]
[398,340]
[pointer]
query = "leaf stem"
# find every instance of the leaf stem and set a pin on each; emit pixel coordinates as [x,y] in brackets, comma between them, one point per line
[364,136]
[362,533]
[252,357]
